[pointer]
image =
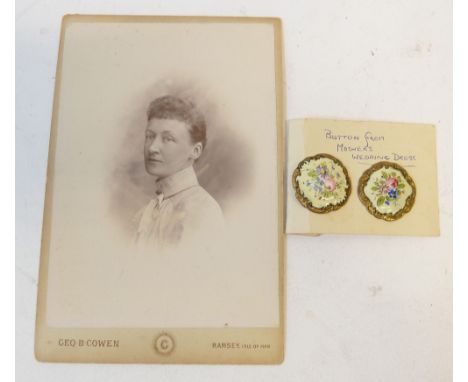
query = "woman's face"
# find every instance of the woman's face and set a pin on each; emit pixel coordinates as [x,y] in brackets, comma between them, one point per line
[169,147]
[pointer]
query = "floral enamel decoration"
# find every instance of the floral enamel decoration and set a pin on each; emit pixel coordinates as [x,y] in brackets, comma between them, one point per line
[387,191]
[321,183]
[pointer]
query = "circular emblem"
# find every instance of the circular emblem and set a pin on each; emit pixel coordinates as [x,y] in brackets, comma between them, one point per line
[164,344]
[387,191]
[321,183]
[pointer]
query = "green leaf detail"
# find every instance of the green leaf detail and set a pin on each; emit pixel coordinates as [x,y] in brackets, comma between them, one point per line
[312,174]
[374,188]
[385,175]
[380,201]
[401,186]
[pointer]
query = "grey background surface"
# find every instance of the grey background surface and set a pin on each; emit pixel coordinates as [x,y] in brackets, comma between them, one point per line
[358,308]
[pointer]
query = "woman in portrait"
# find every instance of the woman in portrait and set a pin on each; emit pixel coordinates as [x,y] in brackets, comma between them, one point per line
[182,211]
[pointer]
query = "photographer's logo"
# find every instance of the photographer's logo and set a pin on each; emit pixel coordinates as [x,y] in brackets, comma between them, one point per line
[164,344]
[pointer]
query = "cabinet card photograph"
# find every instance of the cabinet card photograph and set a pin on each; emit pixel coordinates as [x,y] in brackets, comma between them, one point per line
[163,222]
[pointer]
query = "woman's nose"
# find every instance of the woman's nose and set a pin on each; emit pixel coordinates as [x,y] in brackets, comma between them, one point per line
[155,146]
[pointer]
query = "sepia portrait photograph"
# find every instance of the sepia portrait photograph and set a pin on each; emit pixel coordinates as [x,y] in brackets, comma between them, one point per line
[163,221]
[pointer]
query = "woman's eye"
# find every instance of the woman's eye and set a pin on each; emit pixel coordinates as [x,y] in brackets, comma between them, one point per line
[168,139]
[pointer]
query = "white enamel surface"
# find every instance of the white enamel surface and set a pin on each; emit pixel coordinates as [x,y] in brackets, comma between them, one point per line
[396,204]
[323,189]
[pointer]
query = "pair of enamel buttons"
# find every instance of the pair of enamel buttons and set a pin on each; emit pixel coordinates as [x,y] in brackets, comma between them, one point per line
[322,185]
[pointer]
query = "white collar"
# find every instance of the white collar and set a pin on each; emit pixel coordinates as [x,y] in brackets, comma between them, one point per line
[175,183]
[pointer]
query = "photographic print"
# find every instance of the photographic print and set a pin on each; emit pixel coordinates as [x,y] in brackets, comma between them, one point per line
[163,221]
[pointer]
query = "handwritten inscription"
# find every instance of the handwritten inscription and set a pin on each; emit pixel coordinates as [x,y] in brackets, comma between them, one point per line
[364,147]
[371,138]
[90,342]
[340,137]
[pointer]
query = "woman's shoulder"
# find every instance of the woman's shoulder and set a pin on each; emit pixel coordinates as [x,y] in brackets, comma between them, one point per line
[197,200]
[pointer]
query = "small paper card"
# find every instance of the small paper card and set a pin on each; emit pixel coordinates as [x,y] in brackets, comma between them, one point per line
[358,146]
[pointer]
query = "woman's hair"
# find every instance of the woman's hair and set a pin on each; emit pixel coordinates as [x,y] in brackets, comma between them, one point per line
[171,107]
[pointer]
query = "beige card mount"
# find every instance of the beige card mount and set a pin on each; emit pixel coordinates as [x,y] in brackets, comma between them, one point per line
[163,223]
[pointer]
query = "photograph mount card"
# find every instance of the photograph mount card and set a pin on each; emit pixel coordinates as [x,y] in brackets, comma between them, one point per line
[163,237]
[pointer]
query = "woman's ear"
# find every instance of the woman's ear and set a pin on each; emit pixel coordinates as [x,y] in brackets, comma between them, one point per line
[197,150]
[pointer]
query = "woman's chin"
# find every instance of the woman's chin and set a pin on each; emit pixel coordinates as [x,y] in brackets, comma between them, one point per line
[155,169]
